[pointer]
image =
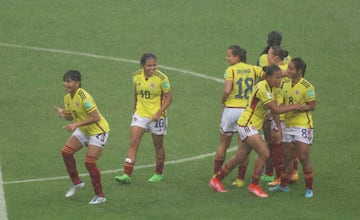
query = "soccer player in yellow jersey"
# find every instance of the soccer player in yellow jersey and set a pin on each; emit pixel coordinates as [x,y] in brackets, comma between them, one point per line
[239,80]
[89,128]
[273,39]
[152,97]
[298,132]
[276,55]
[248,125]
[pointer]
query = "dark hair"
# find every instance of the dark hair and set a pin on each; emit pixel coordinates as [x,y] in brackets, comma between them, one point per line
[238,51]
[73,75]
[273,39]
[269,70]
[147,56]
[299,65]
[280,52]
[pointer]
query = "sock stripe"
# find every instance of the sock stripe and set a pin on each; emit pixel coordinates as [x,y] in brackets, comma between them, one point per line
[90,159]
[67,149]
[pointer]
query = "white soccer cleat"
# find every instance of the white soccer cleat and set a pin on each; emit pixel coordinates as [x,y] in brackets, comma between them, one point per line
[73,188]
[96,200]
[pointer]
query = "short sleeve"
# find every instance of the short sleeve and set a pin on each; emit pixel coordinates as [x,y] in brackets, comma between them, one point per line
[310,94]
[89,103]
[259,73]
[165,85]
[229,74]
[264,94]
[263,61]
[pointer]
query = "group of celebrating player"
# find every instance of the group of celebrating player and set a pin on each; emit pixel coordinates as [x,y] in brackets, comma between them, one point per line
[273,97]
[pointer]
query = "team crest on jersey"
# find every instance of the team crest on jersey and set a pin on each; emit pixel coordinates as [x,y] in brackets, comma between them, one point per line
[77,104]
[152,85]
[297,92]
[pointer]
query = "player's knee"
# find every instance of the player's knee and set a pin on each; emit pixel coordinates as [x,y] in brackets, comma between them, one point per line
[303,158]
[308,171]
[265,155]
[219,157]
[67,151]
[90,163]
[134,143]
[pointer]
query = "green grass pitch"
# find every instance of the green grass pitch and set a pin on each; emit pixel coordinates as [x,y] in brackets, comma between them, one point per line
[40,40]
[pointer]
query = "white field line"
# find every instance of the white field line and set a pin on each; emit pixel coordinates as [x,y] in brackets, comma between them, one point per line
[49,50]
[202,156]
[3,212]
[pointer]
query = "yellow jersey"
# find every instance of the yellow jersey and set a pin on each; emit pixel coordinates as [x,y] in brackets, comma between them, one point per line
[149,92]
[243,77]
[302,92]
[254,114]
[79,107]
[277,92]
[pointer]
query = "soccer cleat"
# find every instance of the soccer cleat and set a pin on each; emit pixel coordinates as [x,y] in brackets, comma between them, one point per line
[279,188]
[275,182]
[217,185]
[256,189]
[96,200]
[309,193]
[267,178]
[123,179]
[73,188]
[238,182]
[156,178]
[294,177]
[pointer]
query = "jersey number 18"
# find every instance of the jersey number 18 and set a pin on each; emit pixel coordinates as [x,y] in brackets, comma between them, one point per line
[244,93]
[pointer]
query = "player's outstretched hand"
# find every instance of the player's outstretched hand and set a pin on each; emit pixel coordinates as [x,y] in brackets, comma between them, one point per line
[60,111]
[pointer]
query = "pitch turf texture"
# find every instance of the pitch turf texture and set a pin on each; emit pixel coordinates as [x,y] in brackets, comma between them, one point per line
[188,36]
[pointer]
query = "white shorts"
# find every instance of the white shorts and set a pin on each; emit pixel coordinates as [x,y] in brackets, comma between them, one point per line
[304,135]
[245,132]
[158,127]
[274,127]
[229,119]
[98,140]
